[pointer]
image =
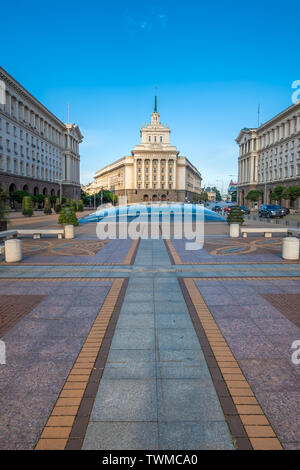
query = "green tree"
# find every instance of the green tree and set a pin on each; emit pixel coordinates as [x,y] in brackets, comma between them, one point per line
[73,205]
[80,205]
[218,194]
[47,206]
[254,195]
[204,196]
[27,206]
[276,194]
[17,196]
[291,194]
[233,196]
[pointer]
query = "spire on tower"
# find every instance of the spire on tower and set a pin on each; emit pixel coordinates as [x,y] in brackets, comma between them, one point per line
[155,104]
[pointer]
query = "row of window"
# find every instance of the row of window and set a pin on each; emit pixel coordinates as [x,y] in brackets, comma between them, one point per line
[20,168]
[155,186]
[268,139]
[286,172]
[154,138]
[154,177]
[22,113]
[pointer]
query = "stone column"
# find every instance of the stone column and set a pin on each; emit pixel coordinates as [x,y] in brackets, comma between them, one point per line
[143,173]
[158,174]
[167,173]
[174,176]
[135,171]
[298,123]
[150,173]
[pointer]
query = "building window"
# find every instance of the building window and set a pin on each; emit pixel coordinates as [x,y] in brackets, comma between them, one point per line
[149,138]
[161,139]
[155,138]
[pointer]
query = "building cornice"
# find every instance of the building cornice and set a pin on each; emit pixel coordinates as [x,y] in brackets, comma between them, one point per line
[5,76]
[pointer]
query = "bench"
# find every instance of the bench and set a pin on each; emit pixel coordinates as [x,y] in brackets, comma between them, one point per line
[6,234]
[294,232]
[36,233]
[266,231]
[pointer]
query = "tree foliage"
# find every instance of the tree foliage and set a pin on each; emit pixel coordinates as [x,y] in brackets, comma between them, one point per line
[254,195]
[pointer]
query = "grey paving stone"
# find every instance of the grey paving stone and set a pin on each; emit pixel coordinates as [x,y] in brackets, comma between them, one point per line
[130,364]
[180,357]
[183,372]
[171,307]
[188,400]
[125,400]
[137,320]
[121,436]
[127,338]
[137,308]
[173,321]
[177,338]
[195,436]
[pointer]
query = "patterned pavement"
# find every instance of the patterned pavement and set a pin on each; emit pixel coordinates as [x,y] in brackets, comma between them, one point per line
[125,345]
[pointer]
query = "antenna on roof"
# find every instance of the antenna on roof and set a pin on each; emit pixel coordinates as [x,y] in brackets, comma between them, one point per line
[155,100]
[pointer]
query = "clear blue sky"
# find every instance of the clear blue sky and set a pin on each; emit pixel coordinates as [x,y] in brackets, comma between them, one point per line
[212,62]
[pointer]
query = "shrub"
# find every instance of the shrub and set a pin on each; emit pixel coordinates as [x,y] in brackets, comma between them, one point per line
[73,205]
[47,206]
[235,216]
[80,205]
[68,217]
[57,206]
[4,210]
[27,206]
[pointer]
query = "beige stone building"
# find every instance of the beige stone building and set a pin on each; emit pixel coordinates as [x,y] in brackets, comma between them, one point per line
[38,152]
[154,170]
[270,155]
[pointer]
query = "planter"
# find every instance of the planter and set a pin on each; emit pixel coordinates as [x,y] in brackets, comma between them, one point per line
[290,248]
[69,232]
[13,250]
[234,230]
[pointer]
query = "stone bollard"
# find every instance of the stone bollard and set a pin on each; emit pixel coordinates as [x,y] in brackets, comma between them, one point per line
[13,250]
[69,232]
[234,230]
[290,248]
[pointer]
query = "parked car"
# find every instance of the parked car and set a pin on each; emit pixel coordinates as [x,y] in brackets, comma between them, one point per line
[285,210]
[270,210]
[245,210]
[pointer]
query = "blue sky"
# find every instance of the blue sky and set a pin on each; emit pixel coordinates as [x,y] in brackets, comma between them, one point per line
[212,62]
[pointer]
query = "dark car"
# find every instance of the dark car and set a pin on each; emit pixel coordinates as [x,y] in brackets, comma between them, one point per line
[285,210]
[245,210]
[270,210]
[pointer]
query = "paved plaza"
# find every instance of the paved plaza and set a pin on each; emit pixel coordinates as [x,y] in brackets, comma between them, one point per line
[140,344]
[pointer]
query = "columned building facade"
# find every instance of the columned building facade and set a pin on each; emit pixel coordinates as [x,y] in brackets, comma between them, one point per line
[38,152]
[154,170]
[269,155]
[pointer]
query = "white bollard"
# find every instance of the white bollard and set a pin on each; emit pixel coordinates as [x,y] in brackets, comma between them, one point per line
[290,248]
[69,231]
[234,230]
[13,250]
